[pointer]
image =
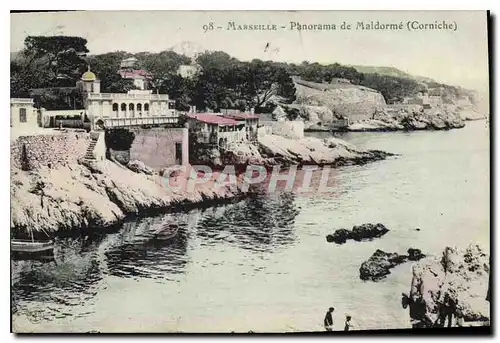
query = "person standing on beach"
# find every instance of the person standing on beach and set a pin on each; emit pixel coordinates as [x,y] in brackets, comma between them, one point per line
[328,322]
[348,324]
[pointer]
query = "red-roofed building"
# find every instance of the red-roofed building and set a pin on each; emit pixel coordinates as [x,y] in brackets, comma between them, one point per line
[251,122]
[130,70]
[215,129]
[140,77]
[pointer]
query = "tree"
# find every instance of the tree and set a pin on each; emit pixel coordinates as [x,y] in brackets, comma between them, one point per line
[119,139]
[215,59]
[161,66]
[63,56]
[106,67]
[393,88]
[26,74]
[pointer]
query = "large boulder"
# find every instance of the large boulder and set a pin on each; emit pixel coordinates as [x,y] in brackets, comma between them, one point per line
[379,265]
[340,236]
[139,167]
[368,231]
[242,153]
[457,283]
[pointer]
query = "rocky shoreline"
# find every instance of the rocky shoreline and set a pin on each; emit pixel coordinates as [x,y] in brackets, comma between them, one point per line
[395,119]
[100,194]
[454,286]
[274,150]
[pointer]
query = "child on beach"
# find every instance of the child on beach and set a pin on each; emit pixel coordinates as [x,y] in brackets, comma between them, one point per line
[348,324]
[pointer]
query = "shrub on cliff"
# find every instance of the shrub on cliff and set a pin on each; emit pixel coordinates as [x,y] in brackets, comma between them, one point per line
[119,139]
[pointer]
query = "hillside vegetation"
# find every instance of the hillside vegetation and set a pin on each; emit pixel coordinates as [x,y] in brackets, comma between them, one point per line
[54,64]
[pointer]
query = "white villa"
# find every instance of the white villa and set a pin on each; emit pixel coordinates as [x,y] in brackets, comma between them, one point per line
[135,108]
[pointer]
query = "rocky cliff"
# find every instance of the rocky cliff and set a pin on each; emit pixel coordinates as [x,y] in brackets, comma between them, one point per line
[352,101]
[410,117]
[95,194]
[455,283]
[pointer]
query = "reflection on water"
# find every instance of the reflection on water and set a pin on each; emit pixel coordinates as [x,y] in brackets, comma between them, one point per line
[136,252]
[257,224]
[70,280]
[81,264]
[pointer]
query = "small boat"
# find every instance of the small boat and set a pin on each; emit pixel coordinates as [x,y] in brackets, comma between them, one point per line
[167,231]
[30,246]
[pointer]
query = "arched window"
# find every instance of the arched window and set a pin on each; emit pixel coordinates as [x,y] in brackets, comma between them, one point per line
[115,107]
[146,107]
[130,107]
[22,115]
[123,107]
[139,107]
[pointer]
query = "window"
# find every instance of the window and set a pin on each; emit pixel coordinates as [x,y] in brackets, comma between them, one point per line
[139,107]
[130,107]
[123,107]
[146,107]
[171,105]
[22,115]
[115,107]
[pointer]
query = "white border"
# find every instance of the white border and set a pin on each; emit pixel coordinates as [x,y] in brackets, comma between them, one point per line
[183,5]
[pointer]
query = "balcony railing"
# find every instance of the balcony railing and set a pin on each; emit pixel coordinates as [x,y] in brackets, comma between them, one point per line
[121,122]
[125,96]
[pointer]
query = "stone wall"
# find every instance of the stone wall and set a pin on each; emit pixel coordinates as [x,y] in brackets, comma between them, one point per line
[31,152]
[157,147]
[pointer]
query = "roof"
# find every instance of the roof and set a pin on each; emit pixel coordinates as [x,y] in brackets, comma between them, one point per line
[241,116]
[212,119]
[89,76]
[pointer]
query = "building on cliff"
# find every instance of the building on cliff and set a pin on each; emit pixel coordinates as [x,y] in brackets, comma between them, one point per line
[130,70]
[131,109]
[23,116]
[216,129]
[250,122]
[188,71]
[421,98]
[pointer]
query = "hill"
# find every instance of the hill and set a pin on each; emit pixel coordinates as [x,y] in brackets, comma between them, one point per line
[391,71]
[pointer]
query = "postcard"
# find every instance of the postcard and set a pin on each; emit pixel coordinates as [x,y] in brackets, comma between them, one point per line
[249,171]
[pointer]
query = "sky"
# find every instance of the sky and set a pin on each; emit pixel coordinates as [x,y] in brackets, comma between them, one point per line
[455,57]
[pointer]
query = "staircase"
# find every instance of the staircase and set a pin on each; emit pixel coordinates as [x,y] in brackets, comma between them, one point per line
[89,155]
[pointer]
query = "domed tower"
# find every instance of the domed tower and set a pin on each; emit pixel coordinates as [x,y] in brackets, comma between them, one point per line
[89,83]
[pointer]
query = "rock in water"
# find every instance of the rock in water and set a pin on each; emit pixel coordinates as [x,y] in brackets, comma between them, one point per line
[415,254]
[368,231]
[379,265]
[461,276]
[340,236]
[358,233]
